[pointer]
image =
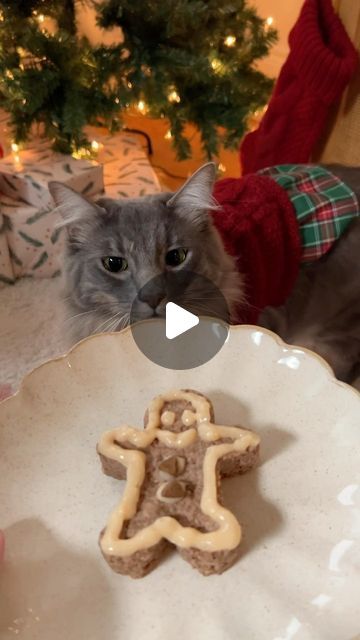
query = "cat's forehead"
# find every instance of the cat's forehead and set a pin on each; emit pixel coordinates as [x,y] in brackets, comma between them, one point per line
[141,205]
[143,220]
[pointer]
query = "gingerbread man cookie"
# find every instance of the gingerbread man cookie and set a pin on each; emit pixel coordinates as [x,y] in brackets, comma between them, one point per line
[172,496]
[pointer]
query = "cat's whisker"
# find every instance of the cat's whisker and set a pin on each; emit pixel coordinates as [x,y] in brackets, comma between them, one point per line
[78,315]
[108,322]
[124,321]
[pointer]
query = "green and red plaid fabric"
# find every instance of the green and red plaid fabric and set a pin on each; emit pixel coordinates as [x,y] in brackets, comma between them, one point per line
[324,205]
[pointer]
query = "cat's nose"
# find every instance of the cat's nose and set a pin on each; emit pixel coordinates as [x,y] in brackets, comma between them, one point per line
[152,298]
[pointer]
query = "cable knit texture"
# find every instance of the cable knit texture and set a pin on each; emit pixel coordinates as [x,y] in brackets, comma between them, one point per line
[258,227]
[320,64]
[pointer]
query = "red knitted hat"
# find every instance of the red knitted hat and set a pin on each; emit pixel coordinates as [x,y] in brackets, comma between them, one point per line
[321,62]
[258,226]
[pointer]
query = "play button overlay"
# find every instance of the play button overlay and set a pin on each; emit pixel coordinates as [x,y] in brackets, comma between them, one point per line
[179,320]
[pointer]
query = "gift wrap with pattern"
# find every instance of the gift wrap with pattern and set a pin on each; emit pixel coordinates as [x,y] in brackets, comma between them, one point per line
[31,244]
[25,176]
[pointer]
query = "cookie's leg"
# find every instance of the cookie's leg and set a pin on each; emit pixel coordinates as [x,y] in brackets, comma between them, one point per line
[138,564]
[209,563]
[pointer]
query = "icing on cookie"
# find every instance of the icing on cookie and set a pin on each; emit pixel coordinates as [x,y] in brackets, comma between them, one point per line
[188,418]
[168,418]
[228,534]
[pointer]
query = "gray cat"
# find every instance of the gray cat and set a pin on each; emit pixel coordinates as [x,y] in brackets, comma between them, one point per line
[114,248]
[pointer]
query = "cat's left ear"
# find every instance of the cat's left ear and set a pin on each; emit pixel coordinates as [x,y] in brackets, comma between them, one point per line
[194,199]
[78,214]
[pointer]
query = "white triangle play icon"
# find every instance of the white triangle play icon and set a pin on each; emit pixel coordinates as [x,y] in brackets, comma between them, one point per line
[178,320]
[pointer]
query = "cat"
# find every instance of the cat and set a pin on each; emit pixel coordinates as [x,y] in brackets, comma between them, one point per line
[114,248]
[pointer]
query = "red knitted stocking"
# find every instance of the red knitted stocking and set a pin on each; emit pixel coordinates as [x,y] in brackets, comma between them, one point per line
[321,62]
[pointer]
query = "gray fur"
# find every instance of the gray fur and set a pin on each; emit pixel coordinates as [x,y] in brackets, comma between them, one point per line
[322,313]
[141,230]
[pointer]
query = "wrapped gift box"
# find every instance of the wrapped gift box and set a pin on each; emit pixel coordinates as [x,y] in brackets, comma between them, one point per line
[35,244]
[130,177]
[127,170]
[25,175]
[31,245]
[6,268]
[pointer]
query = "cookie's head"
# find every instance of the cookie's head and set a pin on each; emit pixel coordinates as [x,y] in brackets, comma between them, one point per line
[178,411]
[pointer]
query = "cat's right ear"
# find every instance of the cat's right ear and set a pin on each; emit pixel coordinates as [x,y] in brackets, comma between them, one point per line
[77,213]
[194,199]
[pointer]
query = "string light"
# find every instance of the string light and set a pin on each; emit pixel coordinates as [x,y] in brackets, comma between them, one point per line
[39,16]
[117,100]
[217,65]
[80,153]
[15,147]
[22,52]
[230,41]
[129,84]
[9,74]
[1,16]
[221,167]
[174,96]
[141,105]
[96,147]
[269,22]
[168,135]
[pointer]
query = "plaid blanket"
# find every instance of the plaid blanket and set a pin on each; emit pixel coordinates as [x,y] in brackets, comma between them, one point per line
[324,205]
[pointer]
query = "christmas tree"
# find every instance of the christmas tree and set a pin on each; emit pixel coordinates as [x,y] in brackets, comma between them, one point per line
[50,76]
[193,61]
[184,60]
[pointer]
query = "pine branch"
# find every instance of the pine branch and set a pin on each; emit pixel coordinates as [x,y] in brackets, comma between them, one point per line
[176,57]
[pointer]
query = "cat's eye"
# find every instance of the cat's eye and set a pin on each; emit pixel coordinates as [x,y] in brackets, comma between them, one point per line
[114,264]
[174,257]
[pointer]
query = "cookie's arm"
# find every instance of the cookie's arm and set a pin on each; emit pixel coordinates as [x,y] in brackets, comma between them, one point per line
[113,445]
[244,451]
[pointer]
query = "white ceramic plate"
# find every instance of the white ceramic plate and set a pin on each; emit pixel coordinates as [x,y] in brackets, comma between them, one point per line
[299,573]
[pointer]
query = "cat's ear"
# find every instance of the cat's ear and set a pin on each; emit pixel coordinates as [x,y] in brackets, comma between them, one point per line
[77,213]
[194,199]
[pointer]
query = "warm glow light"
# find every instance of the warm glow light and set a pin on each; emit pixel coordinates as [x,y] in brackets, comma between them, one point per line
[168,135]
[15,147]
[129,84]
[80,153]
[95,145]
[230,41]
[1,16]
[22,52]
[40,17]
[9,74]
[216,64]
[173,96]
[221,167]
[141,106]
[269,21]
[21,66]
[117,100]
